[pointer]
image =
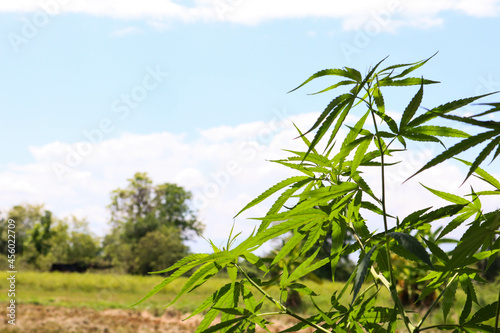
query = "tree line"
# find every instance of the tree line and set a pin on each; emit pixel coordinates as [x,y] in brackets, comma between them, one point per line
[149,225]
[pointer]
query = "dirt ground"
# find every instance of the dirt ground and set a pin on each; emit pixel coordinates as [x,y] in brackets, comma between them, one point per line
[48,319]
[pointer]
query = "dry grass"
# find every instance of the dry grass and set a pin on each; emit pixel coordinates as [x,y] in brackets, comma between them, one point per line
[50,319]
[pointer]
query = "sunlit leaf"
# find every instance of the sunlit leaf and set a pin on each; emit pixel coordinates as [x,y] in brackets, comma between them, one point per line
[339,84]
[340,110]
[410,135]
[379,99]
[483,154]
[411,81]
[338,72]
[224,324]
[315,236]
[440,131]
[471,241]
[220,302]
[211,300]
[448,196]
[201,273]
[411,67]
[337,235]
[301,288]
[491,124]
[273,189]
[412,107]
[184,261]
[443,109]
[289,245]
[256,261]
[179,272]
[307,267]
[388,120]
[332,106]
[457,149]
[496,108]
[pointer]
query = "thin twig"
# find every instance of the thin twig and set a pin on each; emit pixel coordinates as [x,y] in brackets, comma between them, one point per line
[436,300]
[498,312]
[279,305]
[393,291]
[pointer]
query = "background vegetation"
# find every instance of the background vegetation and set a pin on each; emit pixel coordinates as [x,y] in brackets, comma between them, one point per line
[144,219]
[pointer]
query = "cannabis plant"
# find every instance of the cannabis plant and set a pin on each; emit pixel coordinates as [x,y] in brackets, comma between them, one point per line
[327,200]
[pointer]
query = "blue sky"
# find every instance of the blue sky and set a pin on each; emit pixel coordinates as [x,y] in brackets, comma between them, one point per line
[202,79]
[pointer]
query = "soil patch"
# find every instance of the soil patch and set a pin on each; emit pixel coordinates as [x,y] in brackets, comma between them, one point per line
[49,319]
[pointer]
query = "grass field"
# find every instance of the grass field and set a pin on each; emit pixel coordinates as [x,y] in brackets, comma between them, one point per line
[105,291]
[100,292]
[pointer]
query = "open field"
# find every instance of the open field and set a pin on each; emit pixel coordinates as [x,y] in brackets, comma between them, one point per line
[71,302]
[109,291]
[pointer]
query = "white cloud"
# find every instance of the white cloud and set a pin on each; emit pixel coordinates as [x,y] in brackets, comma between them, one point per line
[125,32]
[225,168]
[159,25]
[354,14]
[482,8]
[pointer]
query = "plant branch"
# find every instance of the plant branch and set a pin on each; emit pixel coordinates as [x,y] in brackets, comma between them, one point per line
[436,300]
[382,167]
[279,305]
[498,312]
[270,313]
[441,325]
[394,296]
[392,286]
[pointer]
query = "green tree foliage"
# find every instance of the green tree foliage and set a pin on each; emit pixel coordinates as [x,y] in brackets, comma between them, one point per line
[330,194]
[142,207]
[41,234]
[143,213]
[26,216]
[33,232]
[83,246]
[42,239]
[158,249]
[71,242]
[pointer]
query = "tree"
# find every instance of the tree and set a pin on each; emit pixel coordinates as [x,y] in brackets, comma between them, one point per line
[26,216]
[142,212]
[41,234]
[35,232]
[83,246]
[43,239]
[142,207]
[158,249]
[118,252]
[61,243]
